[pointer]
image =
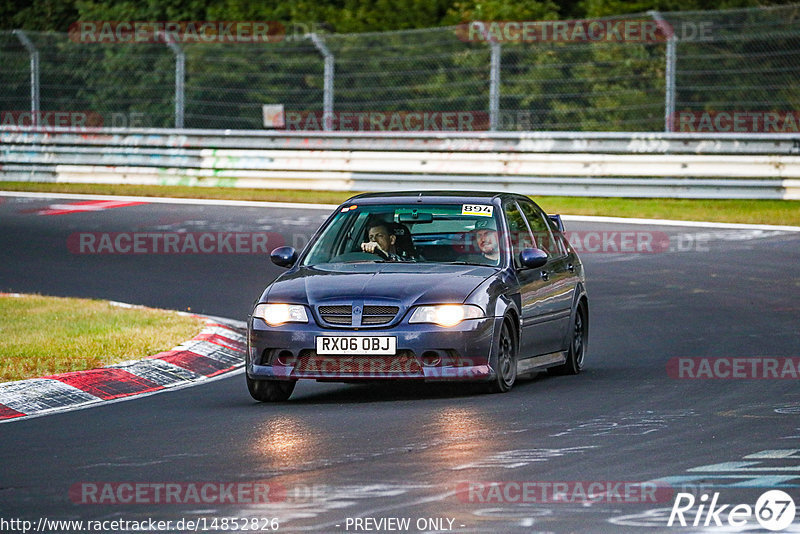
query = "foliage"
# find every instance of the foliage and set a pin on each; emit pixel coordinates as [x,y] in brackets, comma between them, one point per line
[749,63]
[341,16]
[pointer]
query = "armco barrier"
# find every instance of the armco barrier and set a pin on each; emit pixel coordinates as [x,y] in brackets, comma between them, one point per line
[756,166]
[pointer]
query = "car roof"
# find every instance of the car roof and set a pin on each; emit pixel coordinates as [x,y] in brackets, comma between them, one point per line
[430,197]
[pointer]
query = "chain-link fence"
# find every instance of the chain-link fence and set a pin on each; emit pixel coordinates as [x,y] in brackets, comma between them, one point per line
[733,60]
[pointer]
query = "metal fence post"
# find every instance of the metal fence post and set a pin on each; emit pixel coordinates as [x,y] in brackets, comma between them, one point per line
[34,53]
[327,90]
[180,75]
[494,86]
[669,70]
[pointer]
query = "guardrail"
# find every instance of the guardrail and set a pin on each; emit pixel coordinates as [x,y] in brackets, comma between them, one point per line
[757,166]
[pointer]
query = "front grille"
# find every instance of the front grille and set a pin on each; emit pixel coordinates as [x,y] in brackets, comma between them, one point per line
[338,319]
[339,310]
[402,364]
[378,314]
[342,315]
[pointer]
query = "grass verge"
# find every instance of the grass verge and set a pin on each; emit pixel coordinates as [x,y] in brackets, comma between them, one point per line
[41,336]
[783,212]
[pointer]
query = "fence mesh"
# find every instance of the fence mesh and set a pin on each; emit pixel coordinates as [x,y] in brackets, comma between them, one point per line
[733,60]
[15,91]
[750,61]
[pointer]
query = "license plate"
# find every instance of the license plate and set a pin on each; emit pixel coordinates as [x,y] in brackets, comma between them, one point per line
[356,345]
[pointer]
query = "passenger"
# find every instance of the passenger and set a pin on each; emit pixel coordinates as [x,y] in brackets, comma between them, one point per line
[485,235]
[404,243]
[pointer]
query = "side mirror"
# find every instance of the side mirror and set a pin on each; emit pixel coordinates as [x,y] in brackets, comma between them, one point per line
[557,219]
[283,256]
[532,258]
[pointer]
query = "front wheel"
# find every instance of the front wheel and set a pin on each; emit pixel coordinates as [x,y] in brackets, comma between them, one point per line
[270,390]
[506,361]
[577,344]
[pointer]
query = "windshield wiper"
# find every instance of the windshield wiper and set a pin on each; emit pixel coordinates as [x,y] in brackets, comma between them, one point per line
[469,263]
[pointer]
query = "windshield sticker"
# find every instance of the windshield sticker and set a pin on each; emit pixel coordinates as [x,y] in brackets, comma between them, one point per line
[476,209]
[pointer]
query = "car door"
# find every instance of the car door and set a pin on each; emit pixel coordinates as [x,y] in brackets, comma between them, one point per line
[558,272]
[539,334]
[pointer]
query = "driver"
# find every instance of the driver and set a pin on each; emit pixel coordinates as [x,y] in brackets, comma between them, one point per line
[381,242]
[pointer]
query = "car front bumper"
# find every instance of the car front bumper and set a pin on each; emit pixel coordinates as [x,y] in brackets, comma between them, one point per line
[424,352]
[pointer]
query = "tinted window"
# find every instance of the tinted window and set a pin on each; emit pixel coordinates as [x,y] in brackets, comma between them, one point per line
[559,238]
[543,238]
[518,232]
[420,233]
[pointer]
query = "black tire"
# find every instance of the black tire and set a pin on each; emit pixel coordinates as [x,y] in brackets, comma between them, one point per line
[577,344]
[270,390]
[505,360]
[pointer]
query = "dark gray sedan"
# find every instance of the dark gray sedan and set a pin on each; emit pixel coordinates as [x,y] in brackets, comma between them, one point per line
[424,285]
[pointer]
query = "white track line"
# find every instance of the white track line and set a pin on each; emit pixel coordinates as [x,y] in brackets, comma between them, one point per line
[168,200]
[329,207]
[668,222]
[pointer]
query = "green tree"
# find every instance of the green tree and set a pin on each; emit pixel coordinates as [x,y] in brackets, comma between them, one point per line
[37,15]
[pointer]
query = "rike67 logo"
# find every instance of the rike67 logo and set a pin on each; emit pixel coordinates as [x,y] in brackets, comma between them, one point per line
[774,510]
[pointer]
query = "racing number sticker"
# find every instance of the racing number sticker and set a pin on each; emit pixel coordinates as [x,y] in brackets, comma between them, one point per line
[476,209]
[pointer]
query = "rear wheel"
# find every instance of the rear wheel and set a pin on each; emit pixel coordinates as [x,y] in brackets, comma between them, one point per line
[506,360]
[270,390]
[577,345]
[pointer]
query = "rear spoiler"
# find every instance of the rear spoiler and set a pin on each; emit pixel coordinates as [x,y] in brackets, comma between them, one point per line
[557,220]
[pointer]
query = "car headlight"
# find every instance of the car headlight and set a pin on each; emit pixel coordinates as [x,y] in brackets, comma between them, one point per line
[277,314]
[445,314]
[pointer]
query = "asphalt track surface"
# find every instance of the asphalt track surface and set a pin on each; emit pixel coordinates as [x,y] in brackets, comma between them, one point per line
[341,452]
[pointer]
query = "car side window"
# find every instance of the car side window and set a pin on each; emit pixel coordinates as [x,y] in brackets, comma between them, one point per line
[558,238]
[518,233]
[543,237]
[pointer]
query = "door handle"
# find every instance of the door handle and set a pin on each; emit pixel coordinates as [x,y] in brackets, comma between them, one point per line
[545,275]
[571,268]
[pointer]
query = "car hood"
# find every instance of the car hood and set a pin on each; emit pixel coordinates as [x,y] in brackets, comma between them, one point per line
[408,284]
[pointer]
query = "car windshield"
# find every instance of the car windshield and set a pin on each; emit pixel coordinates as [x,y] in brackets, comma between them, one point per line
[411,233]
